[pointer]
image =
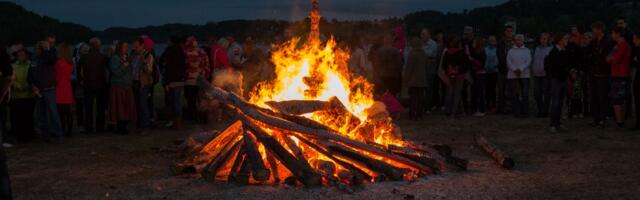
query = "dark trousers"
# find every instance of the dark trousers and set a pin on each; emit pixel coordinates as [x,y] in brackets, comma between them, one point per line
[66,118]
[478,95]
[502,92]
[600,98]
[454,96]
[143,109]
[4,134]
[542,94]
[5,181]
[21,115]
[95,105]
[519,93]
[492,86]
[417,99]
[191,95]
[636,94]
[558,94]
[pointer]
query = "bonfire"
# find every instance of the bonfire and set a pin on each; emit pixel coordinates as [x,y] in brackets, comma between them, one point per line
[314,124]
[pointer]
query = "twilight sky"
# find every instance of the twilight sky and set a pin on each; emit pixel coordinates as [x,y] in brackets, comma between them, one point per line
[101,14]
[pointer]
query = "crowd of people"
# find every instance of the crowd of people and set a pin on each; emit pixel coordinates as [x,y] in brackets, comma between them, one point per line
[57,89]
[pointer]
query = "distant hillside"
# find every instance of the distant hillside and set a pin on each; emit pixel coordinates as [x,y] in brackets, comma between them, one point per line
[20,25]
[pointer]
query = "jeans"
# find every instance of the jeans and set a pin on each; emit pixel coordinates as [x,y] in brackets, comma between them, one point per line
[541,93]
[49,120]
[491,87]
[600,98]
[175,97]
[95,105]
[479,93]
[519,93]
[143,107]
[558,93]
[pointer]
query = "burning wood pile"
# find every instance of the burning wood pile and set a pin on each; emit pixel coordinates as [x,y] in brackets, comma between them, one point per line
[314,124]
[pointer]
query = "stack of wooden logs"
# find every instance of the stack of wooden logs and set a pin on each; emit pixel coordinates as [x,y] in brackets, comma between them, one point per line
[272,146]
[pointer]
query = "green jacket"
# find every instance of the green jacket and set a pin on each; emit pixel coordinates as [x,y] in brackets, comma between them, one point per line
[20,88]
[121,73]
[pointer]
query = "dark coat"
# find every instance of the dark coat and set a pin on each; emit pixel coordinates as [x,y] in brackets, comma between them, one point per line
[600,49]
[174,63]
[92,70]
[42,74]
[558,64]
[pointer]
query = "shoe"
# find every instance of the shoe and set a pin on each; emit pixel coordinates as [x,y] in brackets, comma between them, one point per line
[479,114]
[169,125]
[7,145]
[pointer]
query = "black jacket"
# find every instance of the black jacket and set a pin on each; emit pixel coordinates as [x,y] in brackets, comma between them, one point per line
[173,61]
[92,70]
[558,64]
[43,72]
[600,49]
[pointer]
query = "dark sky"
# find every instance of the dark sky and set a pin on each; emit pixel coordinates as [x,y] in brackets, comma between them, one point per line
[101,14]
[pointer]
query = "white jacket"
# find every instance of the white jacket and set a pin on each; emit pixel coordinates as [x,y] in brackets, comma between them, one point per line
[519,58]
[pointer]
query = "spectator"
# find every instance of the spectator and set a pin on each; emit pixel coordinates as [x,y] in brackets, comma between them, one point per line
[503,49]
[619,61]
[621,22]
[477,58]
[540,80]
[234,52]
[92,75]
[6,72]
[430,48]
[142,64]
[197,65]
[636,82]
[42,78]
[518,63]
[174,60]
[439,89]
[64,93]
[491,68]
[557,69]
[78,92]
[576,37]
[219,57]
[388,68]
[22,98]
[416,78]
[122,109]
[601,46]
[467,44]
[454,63]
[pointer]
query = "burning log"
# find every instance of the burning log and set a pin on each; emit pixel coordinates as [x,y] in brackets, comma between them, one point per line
[441,152]
[259,171]
[390,171]
[418,157]
[238,163]
[298,107]
[337,113]
[245,108]
[227,152]
[356,175]
[274,167]
[301,170]
[499,156]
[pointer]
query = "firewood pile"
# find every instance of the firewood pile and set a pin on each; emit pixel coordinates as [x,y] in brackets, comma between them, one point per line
[278,145]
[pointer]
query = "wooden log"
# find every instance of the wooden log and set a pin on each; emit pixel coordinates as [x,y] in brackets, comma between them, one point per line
[337,114]
[274,167]
[432,163]
[248,110]
[226,153]
[297,152]
[498,155]
[303,121]
[238,163]
[390,171]
[442,153]
[213,148]
[298,107]
[259,171]
[358,176]
[301,170]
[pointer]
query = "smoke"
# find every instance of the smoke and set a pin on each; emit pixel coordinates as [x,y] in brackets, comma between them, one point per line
[229,80]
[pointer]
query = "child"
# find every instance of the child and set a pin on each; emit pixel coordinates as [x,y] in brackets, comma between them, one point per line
[575,94]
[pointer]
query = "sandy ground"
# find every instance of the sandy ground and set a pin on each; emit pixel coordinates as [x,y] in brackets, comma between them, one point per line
[582,164]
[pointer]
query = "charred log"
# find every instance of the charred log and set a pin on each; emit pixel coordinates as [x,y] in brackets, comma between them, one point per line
[498,155]
[259,171]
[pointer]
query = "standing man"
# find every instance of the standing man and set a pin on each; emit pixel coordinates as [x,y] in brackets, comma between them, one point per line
[174,60]
[503,48]
[491,67]
[541,82]
[557,67]
[619,60]
[92,77]
[601,46]
[518,63]
[142,64]
[430,48]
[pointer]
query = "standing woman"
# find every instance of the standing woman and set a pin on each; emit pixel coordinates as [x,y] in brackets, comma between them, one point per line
[557,69]
[454,62]
[64,93]
[197,65]
[478,95]
[121,101]
[416,78]
[22,101]
[540,80]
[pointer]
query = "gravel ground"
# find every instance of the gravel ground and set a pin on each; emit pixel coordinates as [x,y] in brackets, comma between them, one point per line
[582,164]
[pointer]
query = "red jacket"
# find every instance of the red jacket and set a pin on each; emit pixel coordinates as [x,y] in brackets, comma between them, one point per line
[620,60]
[64,93]
[219,58]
